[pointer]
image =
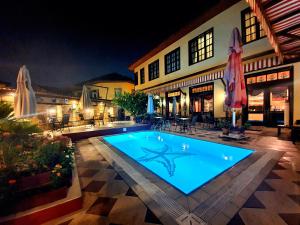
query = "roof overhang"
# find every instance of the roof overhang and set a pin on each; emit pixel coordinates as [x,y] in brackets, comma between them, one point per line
[280,20]
[207,15]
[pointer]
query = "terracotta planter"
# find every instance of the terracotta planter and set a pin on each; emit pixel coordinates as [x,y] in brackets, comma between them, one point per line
[30,182]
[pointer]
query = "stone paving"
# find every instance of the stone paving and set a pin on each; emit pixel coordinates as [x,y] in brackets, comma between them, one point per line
[108,199]
[277,199]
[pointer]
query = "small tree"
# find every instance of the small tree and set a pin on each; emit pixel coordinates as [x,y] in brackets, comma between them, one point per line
[135,103]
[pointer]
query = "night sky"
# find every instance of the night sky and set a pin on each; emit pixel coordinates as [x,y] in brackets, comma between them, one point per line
[66,42]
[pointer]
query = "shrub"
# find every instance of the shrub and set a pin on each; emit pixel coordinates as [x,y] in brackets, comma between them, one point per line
[135,103]
[25,152]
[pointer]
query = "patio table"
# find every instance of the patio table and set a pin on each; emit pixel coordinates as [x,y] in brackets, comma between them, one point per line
[183,123]
[158,122]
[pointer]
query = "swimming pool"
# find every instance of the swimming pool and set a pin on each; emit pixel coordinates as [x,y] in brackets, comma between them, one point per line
[186,163]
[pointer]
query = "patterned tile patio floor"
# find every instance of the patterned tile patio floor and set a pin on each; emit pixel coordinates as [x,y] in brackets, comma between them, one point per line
[277,199]
[109,200]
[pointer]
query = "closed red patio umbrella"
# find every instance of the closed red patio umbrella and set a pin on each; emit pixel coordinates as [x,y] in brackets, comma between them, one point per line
[236,97]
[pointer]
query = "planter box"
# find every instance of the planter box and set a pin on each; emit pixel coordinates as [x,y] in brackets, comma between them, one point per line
[40,199]
[30,182]
[45,205]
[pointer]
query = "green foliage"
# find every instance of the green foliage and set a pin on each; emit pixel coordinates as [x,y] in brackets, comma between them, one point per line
[224,124]
[17,130]
[62,171]
[10,155]
[6,110]
[48,155]
[26,152]
[135,103]
[247,125]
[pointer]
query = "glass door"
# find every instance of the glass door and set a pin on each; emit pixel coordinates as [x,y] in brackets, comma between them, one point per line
[279,100]
[256,105]
[197,105]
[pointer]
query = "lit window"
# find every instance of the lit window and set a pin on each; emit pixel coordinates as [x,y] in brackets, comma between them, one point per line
[261,79]
[201,47]
[118,91]
[142,76]
[172,61]
[153,70]
[251,29]
[284,75]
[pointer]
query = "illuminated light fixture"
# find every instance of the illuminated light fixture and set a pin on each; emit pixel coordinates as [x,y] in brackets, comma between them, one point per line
[52,111]
[185,147]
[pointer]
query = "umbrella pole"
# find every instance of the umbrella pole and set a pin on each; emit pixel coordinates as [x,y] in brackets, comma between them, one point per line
[233,118]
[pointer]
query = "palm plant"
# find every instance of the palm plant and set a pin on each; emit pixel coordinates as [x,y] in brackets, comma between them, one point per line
[6,110]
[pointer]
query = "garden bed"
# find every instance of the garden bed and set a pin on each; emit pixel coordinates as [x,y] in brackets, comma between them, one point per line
[46,205]
[38,178]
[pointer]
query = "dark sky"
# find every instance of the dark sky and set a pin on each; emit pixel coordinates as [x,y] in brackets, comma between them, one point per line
[65,42]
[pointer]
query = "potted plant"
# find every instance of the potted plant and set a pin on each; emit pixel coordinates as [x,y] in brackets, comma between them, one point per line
[245,127]
[225,126]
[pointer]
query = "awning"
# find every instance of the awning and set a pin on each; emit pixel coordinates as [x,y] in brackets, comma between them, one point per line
[280,20]
[249,66]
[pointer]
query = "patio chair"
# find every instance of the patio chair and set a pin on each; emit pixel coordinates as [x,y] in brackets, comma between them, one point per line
[54,124]
[100,118]
[204,121]
[87,121]
[192,124]
[42,121]
[167,125]
[176,123]
[157,124]
[64,122]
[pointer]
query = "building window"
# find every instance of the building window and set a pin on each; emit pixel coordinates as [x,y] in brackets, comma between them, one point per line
[118,91]
[251,28]
[153,70]
[136,80]
[142,76]
[172,61]
[201,47]
[94,94]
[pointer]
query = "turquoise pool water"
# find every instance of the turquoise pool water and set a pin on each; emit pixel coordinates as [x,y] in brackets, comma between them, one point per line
[185,163]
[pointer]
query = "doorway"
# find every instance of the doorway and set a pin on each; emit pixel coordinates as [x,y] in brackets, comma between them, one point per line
[270,98]
[173,106]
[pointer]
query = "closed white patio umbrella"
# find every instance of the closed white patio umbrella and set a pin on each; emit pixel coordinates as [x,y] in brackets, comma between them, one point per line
[150,106]
[86,102]
[85,98]
[174,107]
[25,101]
